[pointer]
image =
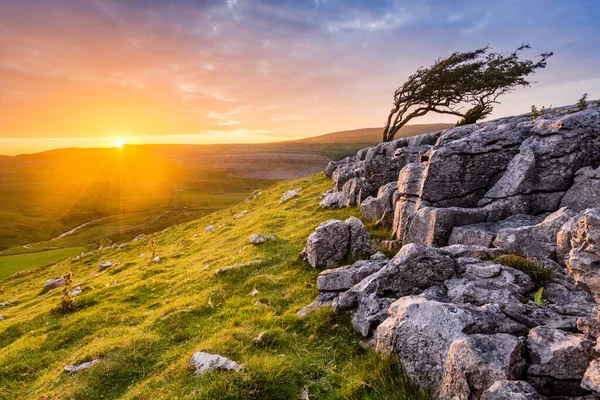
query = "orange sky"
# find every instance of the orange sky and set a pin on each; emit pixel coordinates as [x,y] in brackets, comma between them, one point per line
[83,73]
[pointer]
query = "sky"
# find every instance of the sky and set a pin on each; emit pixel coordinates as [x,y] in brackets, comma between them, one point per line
[83,73]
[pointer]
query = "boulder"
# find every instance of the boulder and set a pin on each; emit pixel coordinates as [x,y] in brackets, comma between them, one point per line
[380,208]
[53,283]
[536,240]
[415,267]
[585,192]
[433,226]
[511,390]
[583,259]
[331,200]
[421,331]
[205,362]
[343,278]
[476,362]
[327,245]
[360,241]
[106,264]
[331,167]
[209,228]
[559,360]
[484,233]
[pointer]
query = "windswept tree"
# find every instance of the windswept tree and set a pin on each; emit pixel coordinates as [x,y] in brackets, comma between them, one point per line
[465,84]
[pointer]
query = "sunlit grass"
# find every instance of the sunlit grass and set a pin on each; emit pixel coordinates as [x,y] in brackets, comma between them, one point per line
[145,319]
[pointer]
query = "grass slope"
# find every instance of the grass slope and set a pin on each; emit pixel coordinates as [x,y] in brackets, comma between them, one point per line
[146,319]
[19,262]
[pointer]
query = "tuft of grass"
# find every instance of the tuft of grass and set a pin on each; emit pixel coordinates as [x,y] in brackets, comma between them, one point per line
[389,381]
[582,103]
[540,274]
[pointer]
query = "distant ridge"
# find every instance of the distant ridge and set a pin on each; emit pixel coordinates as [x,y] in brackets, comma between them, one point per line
[371,135]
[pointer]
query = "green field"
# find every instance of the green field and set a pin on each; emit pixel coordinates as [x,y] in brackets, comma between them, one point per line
[20,262]
[145,319]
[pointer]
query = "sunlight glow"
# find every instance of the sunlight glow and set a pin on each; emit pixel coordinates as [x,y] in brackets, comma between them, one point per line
[119,142]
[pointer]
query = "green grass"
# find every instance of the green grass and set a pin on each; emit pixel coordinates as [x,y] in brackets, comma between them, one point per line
[540,274]
[11,264]
[146,319]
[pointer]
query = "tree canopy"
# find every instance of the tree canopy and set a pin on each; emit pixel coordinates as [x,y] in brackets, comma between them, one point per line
[473,79]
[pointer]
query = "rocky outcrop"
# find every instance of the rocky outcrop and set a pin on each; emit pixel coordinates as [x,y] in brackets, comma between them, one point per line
[485,172]
[455,200]
[333,240]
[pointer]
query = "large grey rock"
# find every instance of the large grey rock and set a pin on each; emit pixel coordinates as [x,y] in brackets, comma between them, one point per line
[591,378]
[371,311]
[583,259]
[511,390]
[433,226]
[585,192]
[559,360]
[536,240]
[420,332]
[549,158]
[483,234]
[349,195]
[360,244]
[415,267]
[343,278]
[205,362]
[476,362]
[380,208]
[327,245]
[53,283]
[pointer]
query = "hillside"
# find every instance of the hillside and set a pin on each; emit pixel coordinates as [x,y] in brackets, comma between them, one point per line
[105,196]
[372,135]
[145,319]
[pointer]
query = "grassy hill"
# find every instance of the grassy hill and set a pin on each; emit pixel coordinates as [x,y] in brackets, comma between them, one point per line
[145,319]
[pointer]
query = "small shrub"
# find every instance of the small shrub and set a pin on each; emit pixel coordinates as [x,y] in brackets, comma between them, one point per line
[582,103]
[67,304]
[540,274]
[152,245]
[534,112]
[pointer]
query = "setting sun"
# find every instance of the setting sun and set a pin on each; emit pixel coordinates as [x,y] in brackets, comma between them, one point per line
[119,142]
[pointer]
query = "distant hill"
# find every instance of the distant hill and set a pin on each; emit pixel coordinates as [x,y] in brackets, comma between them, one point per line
[372,135]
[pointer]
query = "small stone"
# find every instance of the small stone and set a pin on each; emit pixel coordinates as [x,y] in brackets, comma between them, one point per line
[5,304]
[209,228]
[54,283]
[75,368]
[156,259]
[254,292]
[142,255]
[76,292]
[106,264]
[289,195]
[240,215]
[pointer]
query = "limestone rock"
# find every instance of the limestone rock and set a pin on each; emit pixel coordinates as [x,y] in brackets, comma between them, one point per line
[106,264]
[327,245]
[511,390]
[585,192]
[583,260]
[290,194]
[75,368]
[420,332]
[343,278]
[536,240]
[258,238]
[53,283]
[209,228]
[360,241]
[476,362]
[591,378]
[483,234]
[206,362]
[559,360]
[331,200]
